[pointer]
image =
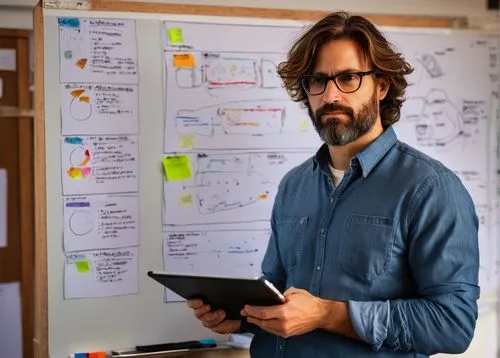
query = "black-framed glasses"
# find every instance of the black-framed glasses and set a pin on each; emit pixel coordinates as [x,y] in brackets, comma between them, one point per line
[346,82]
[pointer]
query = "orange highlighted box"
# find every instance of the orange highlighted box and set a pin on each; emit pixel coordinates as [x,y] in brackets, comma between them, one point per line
[185,60]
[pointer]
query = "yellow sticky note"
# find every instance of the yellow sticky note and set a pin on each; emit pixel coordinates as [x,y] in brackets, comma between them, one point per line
[186,200]
[185,60]
[186,141]
[175,36]
[304,125]
[83,266]
[177,167]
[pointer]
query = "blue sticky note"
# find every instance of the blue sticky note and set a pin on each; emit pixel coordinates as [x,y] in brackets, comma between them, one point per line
[72,22]
[73,140]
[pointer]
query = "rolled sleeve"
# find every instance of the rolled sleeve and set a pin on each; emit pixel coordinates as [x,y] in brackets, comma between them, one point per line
[444,257]
[370,321]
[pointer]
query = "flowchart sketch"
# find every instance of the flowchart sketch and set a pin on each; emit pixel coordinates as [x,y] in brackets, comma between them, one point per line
[100,222]
[97,50]
[101,273]
[99,109]
[240,104]
[235,253]
[99,164]
[228,188]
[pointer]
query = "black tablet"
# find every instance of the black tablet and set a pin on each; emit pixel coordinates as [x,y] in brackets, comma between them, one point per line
[227,293]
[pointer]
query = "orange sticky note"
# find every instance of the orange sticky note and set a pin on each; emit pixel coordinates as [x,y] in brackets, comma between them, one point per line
[185,60]
[77,92]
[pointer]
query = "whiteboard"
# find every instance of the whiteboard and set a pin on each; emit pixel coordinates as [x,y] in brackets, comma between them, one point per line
[144,318]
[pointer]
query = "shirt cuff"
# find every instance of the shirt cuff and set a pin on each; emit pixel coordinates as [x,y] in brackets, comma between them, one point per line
[370,321]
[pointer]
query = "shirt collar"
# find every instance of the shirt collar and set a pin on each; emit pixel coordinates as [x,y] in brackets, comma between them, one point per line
[368,158]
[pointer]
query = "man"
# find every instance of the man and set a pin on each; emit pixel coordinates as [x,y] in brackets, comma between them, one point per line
[374,243]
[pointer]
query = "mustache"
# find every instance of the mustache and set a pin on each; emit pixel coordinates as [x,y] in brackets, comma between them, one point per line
[333,107]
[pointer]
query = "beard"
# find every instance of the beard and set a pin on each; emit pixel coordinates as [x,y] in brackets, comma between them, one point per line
[337,132]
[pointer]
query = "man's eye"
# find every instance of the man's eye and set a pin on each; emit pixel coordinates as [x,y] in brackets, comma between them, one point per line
[316,80]
[347,77]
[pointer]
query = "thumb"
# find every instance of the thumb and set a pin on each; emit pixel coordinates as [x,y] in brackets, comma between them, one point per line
[292,291]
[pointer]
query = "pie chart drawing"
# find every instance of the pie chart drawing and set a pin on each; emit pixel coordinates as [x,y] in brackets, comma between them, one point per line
[81,222]
[79,157]
[80,107]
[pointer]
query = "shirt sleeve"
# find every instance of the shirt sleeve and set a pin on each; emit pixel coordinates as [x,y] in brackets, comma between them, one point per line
[443,254]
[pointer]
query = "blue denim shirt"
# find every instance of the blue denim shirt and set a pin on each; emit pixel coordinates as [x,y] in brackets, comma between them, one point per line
[397,239]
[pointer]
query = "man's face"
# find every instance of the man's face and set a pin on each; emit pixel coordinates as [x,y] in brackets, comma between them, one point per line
[341,118]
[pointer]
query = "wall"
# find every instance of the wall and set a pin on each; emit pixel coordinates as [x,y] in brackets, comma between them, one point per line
[17,13]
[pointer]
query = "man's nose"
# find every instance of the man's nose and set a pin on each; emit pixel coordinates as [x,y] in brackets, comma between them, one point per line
[332,94]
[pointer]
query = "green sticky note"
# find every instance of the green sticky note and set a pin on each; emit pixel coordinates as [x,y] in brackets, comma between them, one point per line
[177,167]
[83,266]
[175,35]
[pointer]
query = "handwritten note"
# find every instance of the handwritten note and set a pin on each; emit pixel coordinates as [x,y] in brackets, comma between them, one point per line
[99,164]
[236,253]
[177,167]
[10,320]
[99,109]
[101,273]
[3,207]
[100,222]
[97,50]
[175,36]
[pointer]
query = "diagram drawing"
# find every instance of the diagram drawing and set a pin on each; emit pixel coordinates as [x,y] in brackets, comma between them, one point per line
[81,222]
[425,66]
[79,159]
[251,118]
[442,125]
[230,253]
[228,188]
[72,38]
[80,107]
[229,71]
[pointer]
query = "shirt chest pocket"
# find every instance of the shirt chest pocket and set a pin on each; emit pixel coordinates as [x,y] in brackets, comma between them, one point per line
[292,231]
[366,245]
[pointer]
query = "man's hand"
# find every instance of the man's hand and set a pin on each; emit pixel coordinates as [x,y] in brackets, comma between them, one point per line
[213,320]
[301,313]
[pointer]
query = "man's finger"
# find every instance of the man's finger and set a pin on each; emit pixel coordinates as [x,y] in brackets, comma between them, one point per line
[195,303]
[264,312]
[201,311]
[291,291]
[211,319]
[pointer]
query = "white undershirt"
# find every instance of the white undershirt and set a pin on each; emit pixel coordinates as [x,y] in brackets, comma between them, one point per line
[337,175]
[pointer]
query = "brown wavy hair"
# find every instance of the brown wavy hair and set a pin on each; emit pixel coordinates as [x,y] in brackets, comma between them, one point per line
[388,63]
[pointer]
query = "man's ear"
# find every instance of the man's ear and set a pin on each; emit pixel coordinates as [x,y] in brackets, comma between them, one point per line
[382,88]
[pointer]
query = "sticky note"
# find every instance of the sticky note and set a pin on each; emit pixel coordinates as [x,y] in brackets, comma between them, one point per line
[83,266]
[175,36]
[97,355]
[177,167]
[185,60]
[186,141]
[186,200]
[304,125]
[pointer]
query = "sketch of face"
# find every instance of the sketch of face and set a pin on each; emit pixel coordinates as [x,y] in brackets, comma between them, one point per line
[341,118]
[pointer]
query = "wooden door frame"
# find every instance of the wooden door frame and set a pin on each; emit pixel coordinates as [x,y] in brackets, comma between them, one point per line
[26,186]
